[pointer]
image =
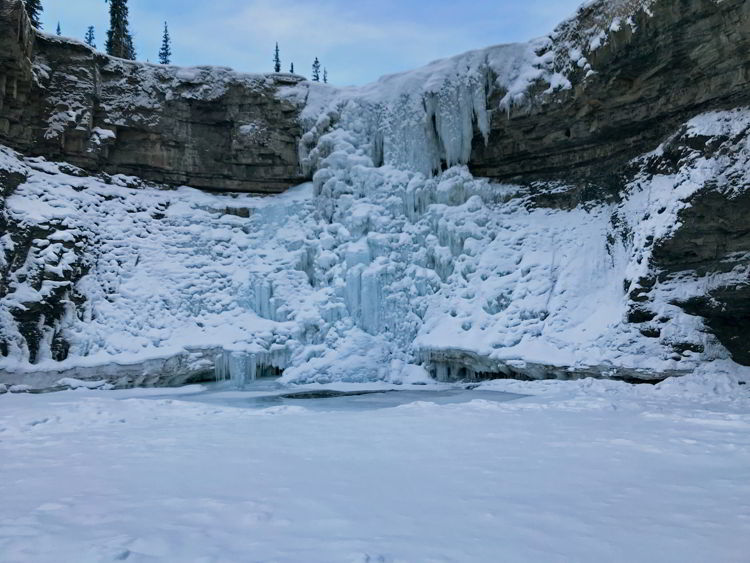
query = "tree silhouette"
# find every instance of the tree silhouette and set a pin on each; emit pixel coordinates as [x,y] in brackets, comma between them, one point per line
[90,39]
[316,70]
[119,39]
[276,60]
[165,53]
[34,10]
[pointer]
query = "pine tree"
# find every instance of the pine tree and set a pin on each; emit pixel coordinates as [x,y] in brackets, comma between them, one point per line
[325,75]
[130,49]
[316,70]
[89,39]
[277,60]
[165,53]
[119,39]
[59,31]
[291,69]
[34,11]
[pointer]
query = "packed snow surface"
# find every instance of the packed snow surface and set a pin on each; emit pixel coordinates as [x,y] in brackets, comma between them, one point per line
[584,471]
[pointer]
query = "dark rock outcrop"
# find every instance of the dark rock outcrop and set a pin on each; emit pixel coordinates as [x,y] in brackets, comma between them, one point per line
[677,59]
[702,264]
[713,245]
[46,260]
[209,128]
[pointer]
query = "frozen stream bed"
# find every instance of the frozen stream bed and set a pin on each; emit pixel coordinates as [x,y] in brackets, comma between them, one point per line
[565,471]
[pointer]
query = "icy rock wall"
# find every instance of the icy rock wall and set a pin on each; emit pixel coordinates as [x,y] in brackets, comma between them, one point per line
[396,257]
[367,274]
[543,279]
[376,152]
[638,71]
[426,120]
[106,271]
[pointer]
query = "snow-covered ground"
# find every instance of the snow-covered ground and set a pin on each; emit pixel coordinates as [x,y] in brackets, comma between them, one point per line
[579,471]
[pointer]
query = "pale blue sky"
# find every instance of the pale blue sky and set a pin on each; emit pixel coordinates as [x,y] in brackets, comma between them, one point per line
[357,41]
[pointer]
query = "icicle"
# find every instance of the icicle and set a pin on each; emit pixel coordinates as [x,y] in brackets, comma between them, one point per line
[237,367]
[241,367]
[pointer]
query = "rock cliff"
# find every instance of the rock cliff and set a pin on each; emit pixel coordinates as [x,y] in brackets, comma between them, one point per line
[206,127]
[643,73]
[575,206]
[660,64]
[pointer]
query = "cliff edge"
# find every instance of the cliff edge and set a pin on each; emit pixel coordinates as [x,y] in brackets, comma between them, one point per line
[206,127]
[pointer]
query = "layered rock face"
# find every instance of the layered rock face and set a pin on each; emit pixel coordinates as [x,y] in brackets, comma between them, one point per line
[657,65]
[209,128]
[16,51]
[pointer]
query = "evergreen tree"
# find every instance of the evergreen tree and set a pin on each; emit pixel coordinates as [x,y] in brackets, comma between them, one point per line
[277,60]
[316,70]
[34,10]
[59,31]
[325,75]
[291,69]
[165,53]
[89,39]
[119,39]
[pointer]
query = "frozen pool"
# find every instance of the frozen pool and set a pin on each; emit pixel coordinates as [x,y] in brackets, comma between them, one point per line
[262,394]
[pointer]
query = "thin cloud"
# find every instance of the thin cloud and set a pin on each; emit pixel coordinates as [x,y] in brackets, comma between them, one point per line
[357,41]
[356,48]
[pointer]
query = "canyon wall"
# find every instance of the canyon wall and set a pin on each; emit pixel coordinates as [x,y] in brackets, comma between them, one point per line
[590,220]
[650,71]
[209,128]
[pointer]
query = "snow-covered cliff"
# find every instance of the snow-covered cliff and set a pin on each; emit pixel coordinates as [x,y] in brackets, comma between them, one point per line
[396,262]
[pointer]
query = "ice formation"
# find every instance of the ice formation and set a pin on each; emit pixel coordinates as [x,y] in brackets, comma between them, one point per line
[393,262]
